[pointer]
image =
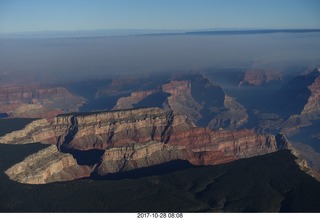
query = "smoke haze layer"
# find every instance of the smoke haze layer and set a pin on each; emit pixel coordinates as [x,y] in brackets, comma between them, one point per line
[89,57]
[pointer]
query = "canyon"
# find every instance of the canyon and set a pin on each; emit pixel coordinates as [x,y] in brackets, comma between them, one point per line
[192,95]
[128,140]
[37,101]
[180,117]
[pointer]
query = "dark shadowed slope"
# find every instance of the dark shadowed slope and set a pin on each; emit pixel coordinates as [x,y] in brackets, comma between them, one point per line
[266,183]
[292,98]
[9,125]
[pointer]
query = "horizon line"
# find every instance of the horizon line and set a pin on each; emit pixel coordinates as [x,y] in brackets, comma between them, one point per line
[145,32]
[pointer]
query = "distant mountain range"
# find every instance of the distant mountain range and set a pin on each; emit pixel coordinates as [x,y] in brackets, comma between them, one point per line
[133,32]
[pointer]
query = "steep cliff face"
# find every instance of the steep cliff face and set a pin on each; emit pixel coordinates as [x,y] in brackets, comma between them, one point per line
[36,131]
[128,139]
[299,95]
[48,165]
[199,146]
[103,130]
[52,98]
[118,128]
[192,95]
[181,100]
[136,155]
[34,111]
[135,97]
[298,103]
[233,116]
[313,104]
[257,77]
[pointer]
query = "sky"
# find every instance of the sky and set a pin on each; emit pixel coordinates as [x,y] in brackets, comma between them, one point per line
[69,15]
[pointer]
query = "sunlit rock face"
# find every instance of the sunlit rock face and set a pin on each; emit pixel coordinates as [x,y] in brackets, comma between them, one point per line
[134,98]
[192,95]
[313,104]
[127,140]
[258,77]
[37,101]
[48,165]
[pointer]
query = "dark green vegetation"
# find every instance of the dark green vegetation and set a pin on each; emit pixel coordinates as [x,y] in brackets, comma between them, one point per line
[266,183]
[10,125]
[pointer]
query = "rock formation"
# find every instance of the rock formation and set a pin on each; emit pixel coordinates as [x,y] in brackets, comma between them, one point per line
[294,106]
[234,115]
[181,100]
[102,130]
[48,165]
[196,97]
[313,104]
[34,111]
[135,97]
[129,139]
[258,77]
[51,99]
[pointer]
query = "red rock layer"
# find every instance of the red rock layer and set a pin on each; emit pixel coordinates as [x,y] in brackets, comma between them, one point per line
[139,138]
[53,98]
[258,77]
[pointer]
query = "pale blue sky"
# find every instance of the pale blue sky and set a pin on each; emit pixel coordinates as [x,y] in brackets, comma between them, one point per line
[43,15]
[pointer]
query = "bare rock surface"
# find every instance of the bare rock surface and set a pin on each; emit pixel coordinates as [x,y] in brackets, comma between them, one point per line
[17,100]
[128,139]
[47,165]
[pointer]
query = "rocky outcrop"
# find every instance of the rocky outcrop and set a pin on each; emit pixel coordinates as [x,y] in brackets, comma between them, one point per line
[298,103]
[192,95]
[117,128]
[199,146]
[51,98]
[233,117]
[102,130]
[294,106]
[136,155]
[33,111]
[304,165]
[299,96]
[257,77]
[36,131]
[181,100]
[282,141]
[48,165]
[313,104]
[130,139]
[135,97]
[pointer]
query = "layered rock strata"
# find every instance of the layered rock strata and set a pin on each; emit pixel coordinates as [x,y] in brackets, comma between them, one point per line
[34,111]
[258,77]
[135,97]
[48,165]
[313,104]
[181,100]
[132,139]
[197,98]
[13,96]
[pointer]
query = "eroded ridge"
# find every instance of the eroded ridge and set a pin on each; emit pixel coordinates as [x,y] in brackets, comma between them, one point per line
[128,139]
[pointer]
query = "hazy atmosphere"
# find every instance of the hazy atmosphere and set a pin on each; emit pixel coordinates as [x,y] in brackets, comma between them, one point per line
[62,48]
[91,57]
